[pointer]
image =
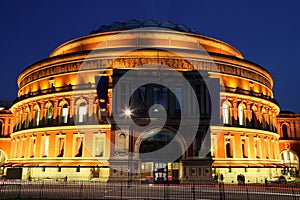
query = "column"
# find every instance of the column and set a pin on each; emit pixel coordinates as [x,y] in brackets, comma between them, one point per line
[55,109]
[235,112]
[90,105]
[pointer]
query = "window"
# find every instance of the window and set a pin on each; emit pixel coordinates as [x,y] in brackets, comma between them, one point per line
[23,147]
[64,114]
[263,121]
[160,96]
[270,121]
[1,128]
[60,146]
[241,115]
[267,146]
[289,158]
[27,120]
[95,172]
[226,115]
[284,131]
[78,146]
[229,148]
[178,96]
[245,148]
[36,116]
[49,113]
[20,120]
[257,146]
[99,144]
[254,119]
[19,148]
[142,103]
[45,145]
[13,148]
[122,142]
[82,113]
[32,147]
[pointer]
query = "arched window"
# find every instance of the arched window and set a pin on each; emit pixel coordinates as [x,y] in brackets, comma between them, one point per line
[36,121]
[226,113]
[270,120]
[263,119]
[64,113]
[1,128]
[284,131]
[27,120]
[49,113]
[2,160]
[82,112]
[254,119]
[290,159]
[241,115]
[20,120]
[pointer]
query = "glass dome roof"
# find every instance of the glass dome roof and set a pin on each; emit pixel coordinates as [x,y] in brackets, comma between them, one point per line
[132,24]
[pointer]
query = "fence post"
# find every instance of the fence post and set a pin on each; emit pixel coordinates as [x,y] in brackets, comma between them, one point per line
[20,188]
[41,193]
[121,191]
[193,191]
[247,193]
[221,191]
[293,193]
[81,188]
[166,196]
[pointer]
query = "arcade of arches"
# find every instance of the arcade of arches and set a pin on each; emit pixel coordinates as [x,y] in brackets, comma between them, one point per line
[63,122]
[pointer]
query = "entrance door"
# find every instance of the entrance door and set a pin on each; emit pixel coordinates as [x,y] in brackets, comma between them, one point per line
[155,156]
[160,172]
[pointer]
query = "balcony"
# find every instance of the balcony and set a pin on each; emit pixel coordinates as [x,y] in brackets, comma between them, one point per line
[53,90]
[249,93]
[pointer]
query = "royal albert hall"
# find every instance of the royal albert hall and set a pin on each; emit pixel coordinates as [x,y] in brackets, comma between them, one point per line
[64,122]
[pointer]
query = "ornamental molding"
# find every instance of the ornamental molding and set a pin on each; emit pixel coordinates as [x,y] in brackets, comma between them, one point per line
[128,63]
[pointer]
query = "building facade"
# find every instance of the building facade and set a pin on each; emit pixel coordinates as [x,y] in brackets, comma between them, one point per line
[65,123]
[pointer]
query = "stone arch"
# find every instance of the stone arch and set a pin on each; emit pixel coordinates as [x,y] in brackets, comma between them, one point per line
[290,158]
[81,100]
[154,131]
[63,102]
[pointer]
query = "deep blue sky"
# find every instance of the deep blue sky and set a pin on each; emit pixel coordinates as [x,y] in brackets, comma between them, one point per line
[266,32]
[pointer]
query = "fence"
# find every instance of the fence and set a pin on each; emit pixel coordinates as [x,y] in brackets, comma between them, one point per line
[95,190]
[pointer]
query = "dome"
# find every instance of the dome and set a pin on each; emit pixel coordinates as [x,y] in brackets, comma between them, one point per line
[131,24]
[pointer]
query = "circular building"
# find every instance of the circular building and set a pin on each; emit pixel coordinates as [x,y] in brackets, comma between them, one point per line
[70,121]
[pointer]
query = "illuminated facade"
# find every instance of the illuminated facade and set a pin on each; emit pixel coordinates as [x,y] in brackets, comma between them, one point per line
[58,128]
[288,124]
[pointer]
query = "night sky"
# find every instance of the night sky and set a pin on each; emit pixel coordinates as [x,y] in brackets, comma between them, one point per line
[265,32]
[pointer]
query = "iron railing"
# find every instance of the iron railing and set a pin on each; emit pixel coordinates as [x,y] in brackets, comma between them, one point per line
[96,190]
